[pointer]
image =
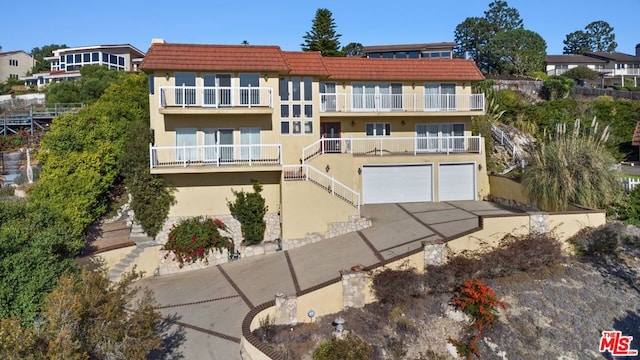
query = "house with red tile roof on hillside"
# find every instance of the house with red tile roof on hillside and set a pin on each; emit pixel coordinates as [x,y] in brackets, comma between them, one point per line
[323,135]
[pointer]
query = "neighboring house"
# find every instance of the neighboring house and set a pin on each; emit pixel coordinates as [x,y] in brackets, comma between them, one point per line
[14,64]
[441,50]
[66,63]
[614,67]
[323,135]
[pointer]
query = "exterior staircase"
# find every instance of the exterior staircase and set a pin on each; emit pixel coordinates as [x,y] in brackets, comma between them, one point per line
[124,264]
[516,152]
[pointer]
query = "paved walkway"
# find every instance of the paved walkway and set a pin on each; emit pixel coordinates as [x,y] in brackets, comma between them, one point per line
[209,305]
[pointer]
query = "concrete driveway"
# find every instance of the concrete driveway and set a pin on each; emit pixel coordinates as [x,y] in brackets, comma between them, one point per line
[206,307]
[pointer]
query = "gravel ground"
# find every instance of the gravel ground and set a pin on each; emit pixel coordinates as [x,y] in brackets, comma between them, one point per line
[556,313]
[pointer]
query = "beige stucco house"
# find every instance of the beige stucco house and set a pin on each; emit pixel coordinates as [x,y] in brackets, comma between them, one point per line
[14,64]
[322,135]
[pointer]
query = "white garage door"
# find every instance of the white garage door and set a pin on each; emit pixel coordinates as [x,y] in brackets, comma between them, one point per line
[396,183]
[456,182]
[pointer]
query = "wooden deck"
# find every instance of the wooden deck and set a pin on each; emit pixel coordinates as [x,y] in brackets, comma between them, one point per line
[12,122]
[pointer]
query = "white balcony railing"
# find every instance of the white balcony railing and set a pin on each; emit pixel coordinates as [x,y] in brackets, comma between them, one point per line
[604,72]
[215,97]
[625,72]
[381,146]
[215,155]
[400,102]
[331,185]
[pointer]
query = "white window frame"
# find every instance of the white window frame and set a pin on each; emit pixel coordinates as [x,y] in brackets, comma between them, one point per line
[386,129]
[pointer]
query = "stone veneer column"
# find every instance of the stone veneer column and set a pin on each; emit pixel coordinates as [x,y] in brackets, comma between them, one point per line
[286,310]
[434,253]
[354,283]
[538,223]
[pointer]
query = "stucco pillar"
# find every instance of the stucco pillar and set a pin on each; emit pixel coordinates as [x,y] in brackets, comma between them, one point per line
[354,283]
[434,253]
[286,310]
[538,223]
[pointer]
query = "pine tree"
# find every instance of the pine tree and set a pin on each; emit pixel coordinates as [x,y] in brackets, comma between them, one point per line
[322,36]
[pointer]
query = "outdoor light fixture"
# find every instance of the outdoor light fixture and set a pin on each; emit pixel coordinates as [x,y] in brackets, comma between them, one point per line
[327,168]
[353,123]
[359,171]
[166,76]
[413,85]
[266,77]
[403,122]
[479,167]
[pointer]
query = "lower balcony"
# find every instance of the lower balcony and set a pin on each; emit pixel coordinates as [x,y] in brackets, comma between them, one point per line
[207,158]
[384,146]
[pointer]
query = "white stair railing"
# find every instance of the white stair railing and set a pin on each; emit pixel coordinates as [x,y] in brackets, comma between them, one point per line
[330,184]
[501,137]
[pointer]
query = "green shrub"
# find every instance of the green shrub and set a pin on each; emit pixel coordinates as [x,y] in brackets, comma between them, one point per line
[596,241]
[352,347]
[7,191]
[558,87]
[526,253]
[151,197]
[193,239]
[249,209]
[397,286]
[14,142]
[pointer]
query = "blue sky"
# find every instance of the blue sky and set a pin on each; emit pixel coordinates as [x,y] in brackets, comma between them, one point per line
[283,23]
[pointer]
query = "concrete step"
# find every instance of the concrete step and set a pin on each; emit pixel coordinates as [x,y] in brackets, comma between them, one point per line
[129,259]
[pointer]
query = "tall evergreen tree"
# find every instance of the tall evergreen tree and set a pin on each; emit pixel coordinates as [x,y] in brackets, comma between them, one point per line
[597,36]
[323,36]
[39,53]
[474,33]
[577,43]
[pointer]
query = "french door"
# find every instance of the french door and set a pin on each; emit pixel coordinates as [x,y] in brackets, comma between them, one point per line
[439,97]
[439,137]
[186,142]
[250,141]
[218,145]
[217,90]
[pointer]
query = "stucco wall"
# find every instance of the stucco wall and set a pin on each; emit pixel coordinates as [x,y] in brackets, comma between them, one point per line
[505,188]
[494,229]
[207,194]
[308,208]
[565,225]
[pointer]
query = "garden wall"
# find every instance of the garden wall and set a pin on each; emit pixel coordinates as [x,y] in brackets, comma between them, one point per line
[334,296]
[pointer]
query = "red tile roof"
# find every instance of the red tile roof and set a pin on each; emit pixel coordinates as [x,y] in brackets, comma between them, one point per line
[187,57]
[214,58]
[305,63]
[352,68]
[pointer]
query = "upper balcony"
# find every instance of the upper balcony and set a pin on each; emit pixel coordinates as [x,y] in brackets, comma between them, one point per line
[215,99]
[419,104]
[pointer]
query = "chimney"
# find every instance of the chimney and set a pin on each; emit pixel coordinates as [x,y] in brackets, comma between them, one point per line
[161,41]
[637,50]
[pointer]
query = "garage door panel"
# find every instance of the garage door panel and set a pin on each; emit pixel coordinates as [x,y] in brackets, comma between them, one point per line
[396,183]
[456,182]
